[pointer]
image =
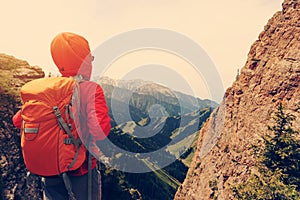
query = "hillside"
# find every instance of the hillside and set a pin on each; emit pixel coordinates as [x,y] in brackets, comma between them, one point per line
[134,155]
[140,128]
[270,76]
[13,74]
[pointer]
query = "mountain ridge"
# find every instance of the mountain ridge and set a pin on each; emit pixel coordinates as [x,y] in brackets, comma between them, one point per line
[145,94]
[145,87]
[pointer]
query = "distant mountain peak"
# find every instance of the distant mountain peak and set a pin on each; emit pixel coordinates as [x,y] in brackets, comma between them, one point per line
[137,85]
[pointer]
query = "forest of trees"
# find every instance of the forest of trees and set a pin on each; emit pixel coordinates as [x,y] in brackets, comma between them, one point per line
[277,172]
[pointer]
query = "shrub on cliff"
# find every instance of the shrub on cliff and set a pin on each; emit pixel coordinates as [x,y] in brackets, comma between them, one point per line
[277,172]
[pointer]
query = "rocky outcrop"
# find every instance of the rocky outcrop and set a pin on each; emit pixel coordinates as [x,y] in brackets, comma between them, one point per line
[270,76]
[13,74]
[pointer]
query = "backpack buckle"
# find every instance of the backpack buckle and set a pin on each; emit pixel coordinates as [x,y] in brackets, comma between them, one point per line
[68,141]
[56,111]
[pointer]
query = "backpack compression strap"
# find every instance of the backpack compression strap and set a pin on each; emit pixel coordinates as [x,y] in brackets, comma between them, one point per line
[68,186]
[64,126]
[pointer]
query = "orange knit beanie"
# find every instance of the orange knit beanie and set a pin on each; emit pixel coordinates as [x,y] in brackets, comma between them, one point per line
[71,54]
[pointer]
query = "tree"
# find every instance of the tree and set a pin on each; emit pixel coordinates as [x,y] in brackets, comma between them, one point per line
[237,74]
[282,149]
[276,174]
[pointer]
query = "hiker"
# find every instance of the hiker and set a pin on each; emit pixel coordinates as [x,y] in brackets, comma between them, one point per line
[71,54]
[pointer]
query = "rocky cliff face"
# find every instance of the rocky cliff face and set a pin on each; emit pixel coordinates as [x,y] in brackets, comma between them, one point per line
[13,74]
[271,75]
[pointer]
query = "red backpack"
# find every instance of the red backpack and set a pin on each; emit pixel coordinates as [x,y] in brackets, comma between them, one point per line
[50,129]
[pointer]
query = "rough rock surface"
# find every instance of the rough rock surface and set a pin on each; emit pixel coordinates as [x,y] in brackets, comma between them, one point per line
[13,74]
[271,75]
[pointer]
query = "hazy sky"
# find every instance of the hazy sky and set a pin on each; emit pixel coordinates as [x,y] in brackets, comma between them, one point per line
[224,29]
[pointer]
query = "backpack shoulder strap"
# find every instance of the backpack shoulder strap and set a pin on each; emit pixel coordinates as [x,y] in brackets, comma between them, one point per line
[78,78]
